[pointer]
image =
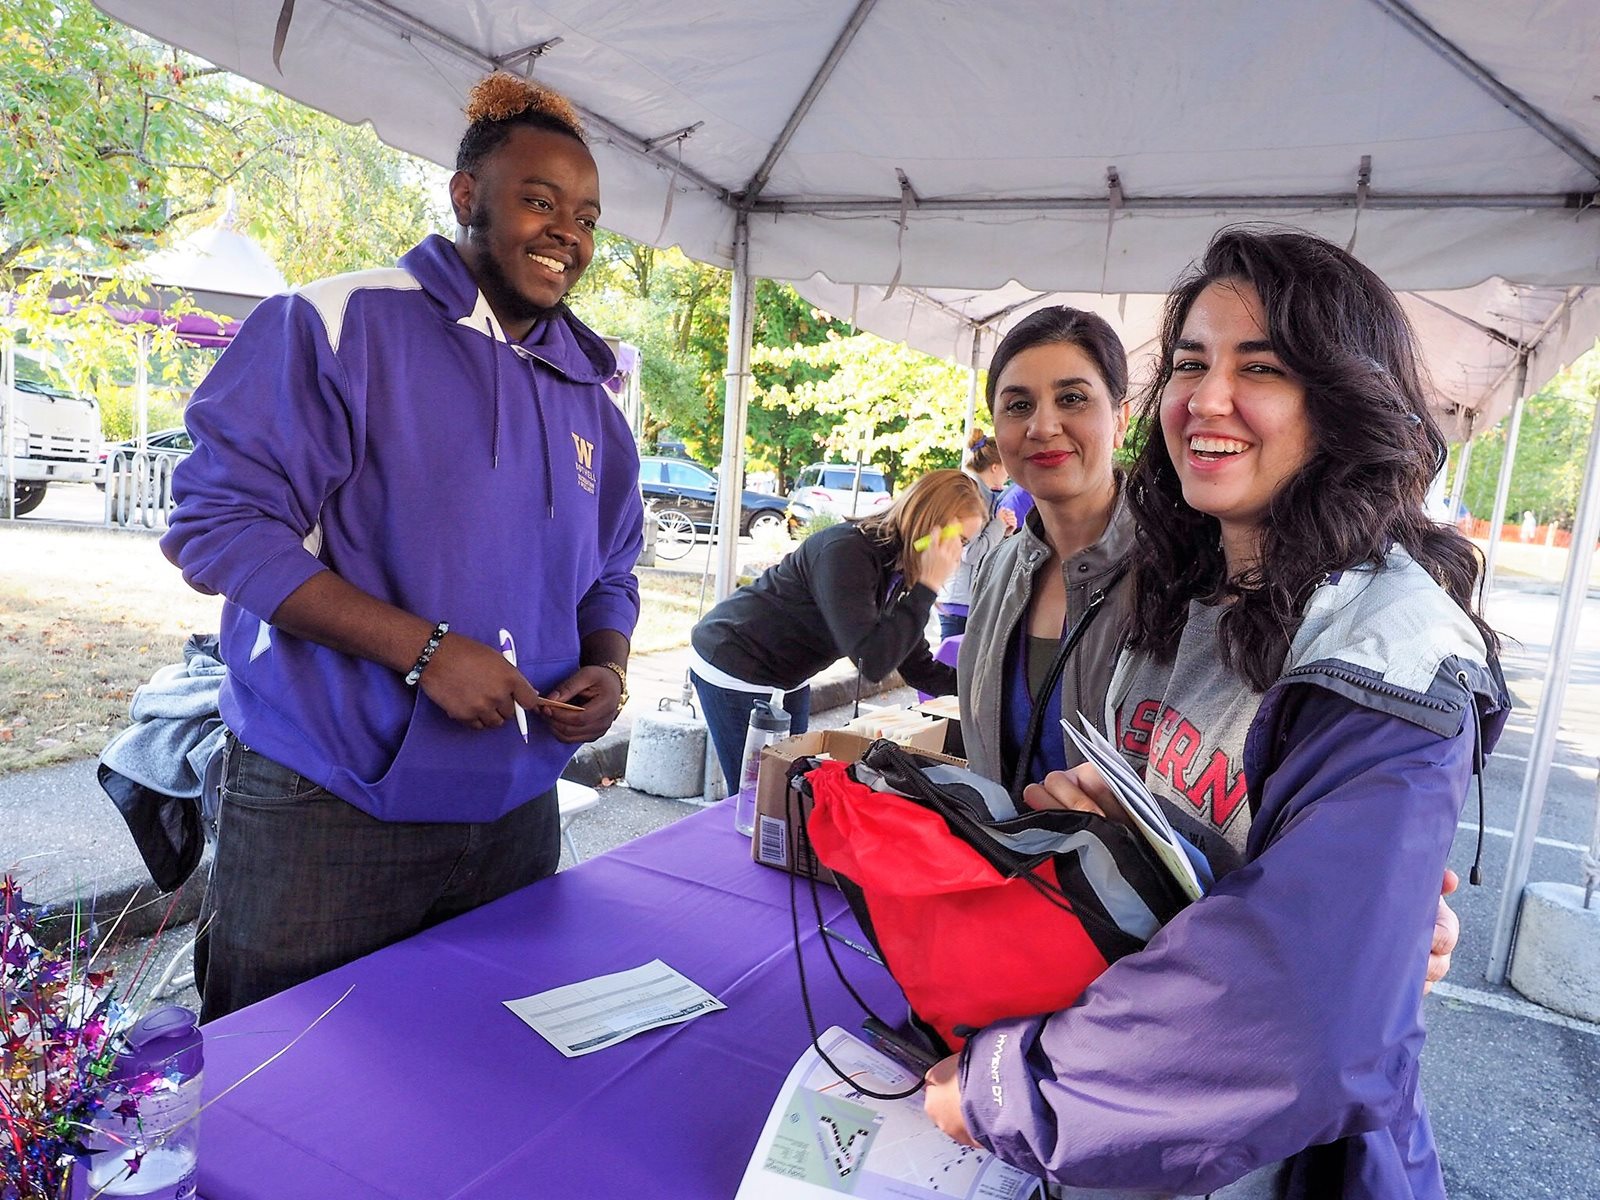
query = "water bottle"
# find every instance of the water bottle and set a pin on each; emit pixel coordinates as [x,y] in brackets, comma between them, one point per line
[768,723]
[155,1082]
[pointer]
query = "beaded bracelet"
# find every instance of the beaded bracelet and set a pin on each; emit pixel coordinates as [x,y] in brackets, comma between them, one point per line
[423,659]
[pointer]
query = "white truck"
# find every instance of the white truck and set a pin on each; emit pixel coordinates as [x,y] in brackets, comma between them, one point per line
[55,430]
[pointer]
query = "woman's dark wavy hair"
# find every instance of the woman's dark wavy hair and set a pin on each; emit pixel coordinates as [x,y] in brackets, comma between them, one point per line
[1074,327]
[1375,448]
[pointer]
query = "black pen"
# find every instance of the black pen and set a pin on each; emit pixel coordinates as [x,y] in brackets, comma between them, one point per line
[854,945]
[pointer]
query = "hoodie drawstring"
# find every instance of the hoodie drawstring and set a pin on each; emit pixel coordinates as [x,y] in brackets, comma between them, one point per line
[1475,876]
[494,362]
[544,445]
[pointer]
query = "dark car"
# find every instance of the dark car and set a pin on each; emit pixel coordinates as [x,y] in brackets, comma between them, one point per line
[681,491]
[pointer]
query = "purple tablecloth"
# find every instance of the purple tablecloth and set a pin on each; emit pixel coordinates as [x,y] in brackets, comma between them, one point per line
[423,1085]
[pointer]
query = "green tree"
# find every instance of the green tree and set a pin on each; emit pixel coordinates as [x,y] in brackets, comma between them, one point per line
[890,404]
[1552,446]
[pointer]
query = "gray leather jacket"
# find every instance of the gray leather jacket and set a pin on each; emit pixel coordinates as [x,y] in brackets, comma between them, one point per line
[1001,593]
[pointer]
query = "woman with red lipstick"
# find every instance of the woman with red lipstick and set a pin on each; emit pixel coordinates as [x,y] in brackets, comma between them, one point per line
[1308,693]
[1049,604]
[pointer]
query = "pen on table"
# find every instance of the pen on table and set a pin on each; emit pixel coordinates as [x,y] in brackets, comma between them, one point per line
[509,649]
[854,945]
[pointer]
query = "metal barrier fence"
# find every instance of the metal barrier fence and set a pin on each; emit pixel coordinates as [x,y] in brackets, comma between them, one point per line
[139,489]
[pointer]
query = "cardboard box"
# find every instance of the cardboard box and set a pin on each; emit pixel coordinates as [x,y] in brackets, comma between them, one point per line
[775,843]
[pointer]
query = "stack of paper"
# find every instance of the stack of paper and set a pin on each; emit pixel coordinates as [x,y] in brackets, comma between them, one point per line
[1143,811]
[823,1138]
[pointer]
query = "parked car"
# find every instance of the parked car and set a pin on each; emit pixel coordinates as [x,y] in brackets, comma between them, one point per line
[827,488]
[174,444]
[682,493]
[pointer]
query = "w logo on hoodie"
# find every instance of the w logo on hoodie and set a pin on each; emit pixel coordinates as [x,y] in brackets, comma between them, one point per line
[585,452]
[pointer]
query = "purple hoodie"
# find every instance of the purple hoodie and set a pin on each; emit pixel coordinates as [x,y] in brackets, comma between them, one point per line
[380,426]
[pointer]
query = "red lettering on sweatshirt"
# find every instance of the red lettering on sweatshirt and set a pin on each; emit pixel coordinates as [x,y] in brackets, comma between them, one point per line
[1215,786]
[1175,759]
[1136,735]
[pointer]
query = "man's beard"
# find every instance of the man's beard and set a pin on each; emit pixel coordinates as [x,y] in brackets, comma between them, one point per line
[497,288]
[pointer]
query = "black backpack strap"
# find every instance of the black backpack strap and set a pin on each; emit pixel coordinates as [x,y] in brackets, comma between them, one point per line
[1030,740]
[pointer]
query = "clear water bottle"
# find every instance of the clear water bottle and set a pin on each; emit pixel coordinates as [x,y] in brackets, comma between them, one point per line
[151,1115]
[768,723]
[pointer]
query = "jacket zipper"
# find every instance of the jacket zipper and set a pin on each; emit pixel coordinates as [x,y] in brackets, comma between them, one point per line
[1383,689]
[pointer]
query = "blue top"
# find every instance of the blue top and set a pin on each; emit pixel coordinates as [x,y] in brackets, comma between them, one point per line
[380,425]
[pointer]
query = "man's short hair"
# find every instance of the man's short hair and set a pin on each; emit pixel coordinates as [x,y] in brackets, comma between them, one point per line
[500,102]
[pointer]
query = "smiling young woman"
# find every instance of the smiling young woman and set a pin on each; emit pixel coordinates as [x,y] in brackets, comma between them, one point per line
[1307,691]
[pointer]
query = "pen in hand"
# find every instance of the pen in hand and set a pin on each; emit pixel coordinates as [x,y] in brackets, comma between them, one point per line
[508,648]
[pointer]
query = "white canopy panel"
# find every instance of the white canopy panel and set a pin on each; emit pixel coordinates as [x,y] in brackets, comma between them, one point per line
[1476,122]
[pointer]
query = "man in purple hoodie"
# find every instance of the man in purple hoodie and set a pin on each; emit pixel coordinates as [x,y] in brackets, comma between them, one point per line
[392,469]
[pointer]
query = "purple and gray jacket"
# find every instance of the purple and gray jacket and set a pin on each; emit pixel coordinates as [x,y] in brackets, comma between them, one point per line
[381,426]
[1272,1029]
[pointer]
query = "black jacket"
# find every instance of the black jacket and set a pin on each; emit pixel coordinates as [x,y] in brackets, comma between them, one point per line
[830,598]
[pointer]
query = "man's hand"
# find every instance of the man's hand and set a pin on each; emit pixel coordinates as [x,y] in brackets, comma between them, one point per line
[941,1099]
[597,690]
[1446,933]
[474,684]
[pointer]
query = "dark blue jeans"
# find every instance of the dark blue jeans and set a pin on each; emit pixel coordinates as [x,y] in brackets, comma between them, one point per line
[302,882]
[727,715]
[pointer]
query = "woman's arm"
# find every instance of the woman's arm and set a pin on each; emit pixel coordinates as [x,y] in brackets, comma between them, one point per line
[1280,1012]
[875,633]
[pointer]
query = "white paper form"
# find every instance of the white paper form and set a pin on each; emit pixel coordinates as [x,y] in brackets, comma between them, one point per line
[823,1138]
[583,1017]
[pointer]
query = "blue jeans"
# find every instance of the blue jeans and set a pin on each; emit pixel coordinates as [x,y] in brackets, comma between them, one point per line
[951,624]
[302,882]
[727,715]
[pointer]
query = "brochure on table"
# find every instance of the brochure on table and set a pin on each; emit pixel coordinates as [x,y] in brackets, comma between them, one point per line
[823,1138]
[592,1014]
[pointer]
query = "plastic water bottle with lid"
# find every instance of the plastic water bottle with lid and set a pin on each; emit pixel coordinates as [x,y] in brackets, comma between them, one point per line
[768,723]
[147,1137]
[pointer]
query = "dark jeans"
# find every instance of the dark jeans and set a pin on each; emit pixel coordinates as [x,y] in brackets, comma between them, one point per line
[727,715]
[302,882]
[951,624]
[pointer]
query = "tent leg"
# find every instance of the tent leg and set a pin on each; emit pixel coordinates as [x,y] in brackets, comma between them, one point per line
[1458,485]
[741,312]
[972,392]
[1502,487]
[1547,724]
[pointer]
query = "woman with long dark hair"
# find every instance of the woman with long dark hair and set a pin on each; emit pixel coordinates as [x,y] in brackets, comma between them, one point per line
[1308,692]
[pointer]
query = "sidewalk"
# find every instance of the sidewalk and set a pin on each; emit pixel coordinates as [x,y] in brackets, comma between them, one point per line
[61,830]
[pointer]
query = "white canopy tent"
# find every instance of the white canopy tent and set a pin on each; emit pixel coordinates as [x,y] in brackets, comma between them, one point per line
[1067,147]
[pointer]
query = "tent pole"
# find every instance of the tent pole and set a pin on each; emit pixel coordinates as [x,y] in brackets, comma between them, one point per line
[1502,488]
[736,399]
[1547,724]
[1458,485]
[8,450]
[972,392]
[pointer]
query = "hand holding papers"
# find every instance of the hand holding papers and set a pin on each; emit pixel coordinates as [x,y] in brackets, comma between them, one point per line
[823,1138]
[1143,812]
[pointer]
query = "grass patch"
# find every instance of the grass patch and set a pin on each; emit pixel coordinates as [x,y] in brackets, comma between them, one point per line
[668,608]
[85,618]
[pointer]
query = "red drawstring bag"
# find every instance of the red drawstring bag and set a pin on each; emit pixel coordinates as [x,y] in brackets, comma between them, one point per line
[981,911]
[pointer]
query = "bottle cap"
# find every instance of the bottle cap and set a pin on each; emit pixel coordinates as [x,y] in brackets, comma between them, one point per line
[764,718]
[166,1041]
